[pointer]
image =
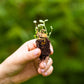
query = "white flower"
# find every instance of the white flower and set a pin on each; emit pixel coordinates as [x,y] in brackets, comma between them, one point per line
[40,25]
[46,20]
[41,21]
[34,21]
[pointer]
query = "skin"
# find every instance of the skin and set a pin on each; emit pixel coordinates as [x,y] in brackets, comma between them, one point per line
[24,64]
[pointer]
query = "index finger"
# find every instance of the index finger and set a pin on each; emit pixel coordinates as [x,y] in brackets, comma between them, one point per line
[31,44]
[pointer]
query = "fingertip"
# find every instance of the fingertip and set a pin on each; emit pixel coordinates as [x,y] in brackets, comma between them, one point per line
[51,49]
[37,52]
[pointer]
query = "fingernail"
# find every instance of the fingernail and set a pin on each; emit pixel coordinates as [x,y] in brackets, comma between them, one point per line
[42,70]
[36,52]
[46,73]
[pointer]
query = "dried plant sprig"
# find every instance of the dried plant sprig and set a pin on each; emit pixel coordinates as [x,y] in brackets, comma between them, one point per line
[41,30]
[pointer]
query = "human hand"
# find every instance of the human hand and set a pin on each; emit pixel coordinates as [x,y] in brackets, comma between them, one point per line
[25,63]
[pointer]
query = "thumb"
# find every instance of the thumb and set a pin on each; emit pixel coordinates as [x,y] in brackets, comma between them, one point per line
[33,54]
[23,57]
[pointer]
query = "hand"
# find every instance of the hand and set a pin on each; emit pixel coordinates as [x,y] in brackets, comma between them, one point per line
[25,63]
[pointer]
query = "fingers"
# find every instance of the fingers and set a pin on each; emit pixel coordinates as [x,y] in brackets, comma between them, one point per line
[28,52]
[48,72]
[45,68]
[43,64]
[32,45]
[33,54]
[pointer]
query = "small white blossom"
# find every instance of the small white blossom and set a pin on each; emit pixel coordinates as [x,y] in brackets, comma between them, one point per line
[34,21]
[46,20]
[40,25]
[41,21]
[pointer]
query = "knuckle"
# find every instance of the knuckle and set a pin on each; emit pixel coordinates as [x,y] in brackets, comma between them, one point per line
[51,59]
[42,66]
[52,68]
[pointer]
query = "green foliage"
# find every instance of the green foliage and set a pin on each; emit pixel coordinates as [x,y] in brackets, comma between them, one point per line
[67,19]
[41,30]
